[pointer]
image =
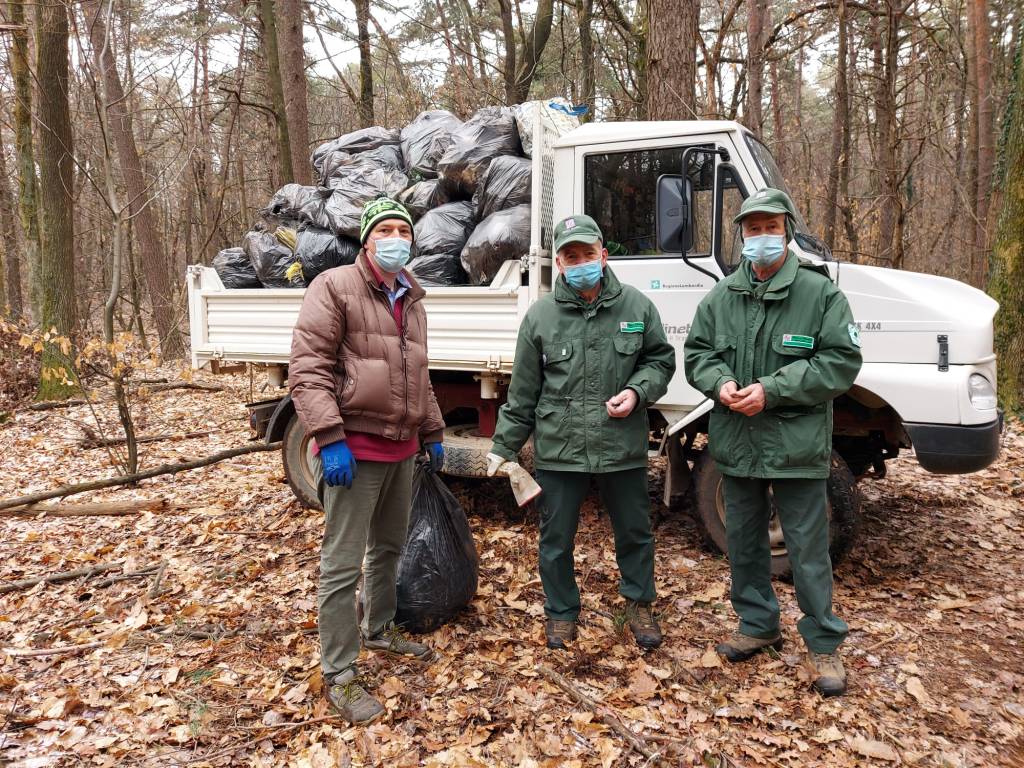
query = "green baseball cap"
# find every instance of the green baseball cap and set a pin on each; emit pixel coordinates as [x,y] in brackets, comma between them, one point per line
[376,211]
[576,229]
[768,200]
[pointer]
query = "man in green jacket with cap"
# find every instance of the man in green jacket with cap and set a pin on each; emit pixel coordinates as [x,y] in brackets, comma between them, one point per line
[590,357]
[773,344]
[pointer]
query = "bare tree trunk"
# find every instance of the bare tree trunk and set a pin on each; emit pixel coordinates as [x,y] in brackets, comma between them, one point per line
[889,245]
[56,182]
[509,35]
[268,20]
[10,279]
[986,152]
[840,129]
[533,48]
[292,57]
[588,79]
[143,218]
[672,59]
[28,193]
[365,104]
[758,13]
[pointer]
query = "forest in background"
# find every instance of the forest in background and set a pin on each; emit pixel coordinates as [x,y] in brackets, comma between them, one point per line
[137,138]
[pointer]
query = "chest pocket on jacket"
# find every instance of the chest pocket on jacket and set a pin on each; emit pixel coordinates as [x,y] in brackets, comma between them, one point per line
[558,361]
[627,350]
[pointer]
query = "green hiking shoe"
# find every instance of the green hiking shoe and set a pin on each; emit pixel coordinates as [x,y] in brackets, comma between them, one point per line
[350,700]
[559,633]
[393,639]
[740,647]
[829,673]
[643,625]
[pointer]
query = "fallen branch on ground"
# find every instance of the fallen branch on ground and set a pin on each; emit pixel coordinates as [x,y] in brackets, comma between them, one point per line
[56,578]
[110,482]
[149,570]
[50,405]
[96,509]
[610,719]
[184,385]
[91,441]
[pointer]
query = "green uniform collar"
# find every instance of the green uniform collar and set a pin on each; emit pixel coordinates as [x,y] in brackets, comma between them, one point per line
[776,287]
[611,288]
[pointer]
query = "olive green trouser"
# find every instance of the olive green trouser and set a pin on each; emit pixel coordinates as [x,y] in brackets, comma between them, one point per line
[368,521]
[624,494]
[802,511]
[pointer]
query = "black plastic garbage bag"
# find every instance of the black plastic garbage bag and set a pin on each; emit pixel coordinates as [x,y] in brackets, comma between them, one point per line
[338,163]
[320,249]
[423,196]
[439,568]
[501,236]
[289,200]
[235,269]
[426,139]
[490,133]
[358,141]
[440,237]
[345,205]
[271,259]
[506,183]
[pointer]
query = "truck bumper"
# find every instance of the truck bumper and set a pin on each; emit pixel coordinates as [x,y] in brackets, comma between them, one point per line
[950,449]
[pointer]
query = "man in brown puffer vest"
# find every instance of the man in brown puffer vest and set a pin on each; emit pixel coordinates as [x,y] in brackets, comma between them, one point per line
[358,375]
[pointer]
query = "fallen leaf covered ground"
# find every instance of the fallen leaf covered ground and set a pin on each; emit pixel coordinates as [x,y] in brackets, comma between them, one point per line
[209,656]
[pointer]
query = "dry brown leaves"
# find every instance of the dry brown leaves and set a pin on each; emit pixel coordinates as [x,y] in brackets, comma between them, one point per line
[220,666]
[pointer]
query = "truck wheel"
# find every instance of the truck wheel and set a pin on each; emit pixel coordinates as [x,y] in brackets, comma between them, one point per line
[296,466]
[843,511]
[465,452]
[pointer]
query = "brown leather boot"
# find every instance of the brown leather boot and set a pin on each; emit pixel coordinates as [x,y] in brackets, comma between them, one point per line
[829,673]
[350,700]
[559,633]
[740,647]
[643,625]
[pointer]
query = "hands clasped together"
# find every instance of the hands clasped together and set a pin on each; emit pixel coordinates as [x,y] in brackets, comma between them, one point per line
[748,401]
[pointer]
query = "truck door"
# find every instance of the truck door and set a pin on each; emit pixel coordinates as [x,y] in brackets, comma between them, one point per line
[618,189]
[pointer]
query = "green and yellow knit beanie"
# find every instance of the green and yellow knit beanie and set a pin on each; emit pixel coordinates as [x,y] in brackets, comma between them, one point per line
[376,211]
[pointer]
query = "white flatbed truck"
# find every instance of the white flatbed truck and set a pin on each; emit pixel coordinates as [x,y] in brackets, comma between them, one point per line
[664,193]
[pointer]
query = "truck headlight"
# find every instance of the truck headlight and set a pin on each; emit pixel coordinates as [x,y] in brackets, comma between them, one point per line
[981,392]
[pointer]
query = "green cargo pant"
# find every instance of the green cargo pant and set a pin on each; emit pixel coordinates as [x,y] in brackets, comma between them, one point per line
[368,521]
[802,511]
[624,494]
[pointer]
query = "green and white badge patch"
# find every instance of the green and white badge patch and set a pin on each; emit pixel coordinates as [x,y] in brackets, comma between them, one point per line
[796,340]
[634,327]
[854,332]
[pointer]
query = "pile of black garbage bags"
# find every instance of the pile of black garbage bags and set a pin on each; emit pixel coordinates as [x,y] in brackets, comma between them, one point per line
[466,184]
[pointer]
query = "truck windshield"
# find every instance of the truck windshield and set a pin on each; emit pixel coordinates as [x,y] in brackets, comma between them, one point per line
[770,170]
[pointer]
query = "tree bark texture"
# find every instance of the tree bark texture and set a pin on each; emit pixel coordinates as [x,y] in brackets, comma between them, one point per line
[365,105]
[143,218]
[535,41]
[28,189]
[758,14]
[56,182]
[986,151]
[268,20]
[840,130]
[292,57]
[671,69]
[11,276]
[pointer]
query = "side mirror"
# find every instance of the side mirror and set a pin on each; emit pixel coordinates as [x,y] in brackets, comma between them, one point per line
[674,206]
[813,244]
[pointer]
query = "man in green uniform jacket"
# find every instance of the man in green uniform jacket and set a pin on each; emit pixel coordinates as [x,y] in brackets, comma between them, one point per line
[773,344]
[590,357]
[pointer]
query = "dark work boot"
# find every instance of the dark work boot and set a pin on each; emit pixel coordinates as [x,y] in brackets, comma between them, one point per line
[559,633]
[740,647]
[643,625]
[350,700]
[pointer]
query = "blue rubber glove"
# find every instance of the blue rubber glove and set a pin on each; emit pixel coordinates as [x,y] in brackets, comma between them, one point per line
[435,454]
[339,464]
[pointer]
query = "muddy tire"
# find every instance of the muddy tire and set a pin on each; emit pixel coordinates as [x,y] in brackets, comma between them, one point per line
[296,466]
[465,452]
[843,510]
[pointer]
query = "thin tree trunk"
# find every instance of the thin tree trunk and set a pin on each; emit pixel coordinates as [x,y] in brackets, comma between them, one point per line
[10,278]
[28,193]
[533,48]
[986,152]
[143,217]
[840,127]
[509,36]
[757,14]
[292,57]
[365,104]
[588,78]
[672,59]
[56,182]
[268,19]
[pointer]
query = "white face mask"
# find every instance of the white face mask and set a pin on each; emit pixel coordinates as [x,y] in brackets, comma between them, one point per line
[392,253]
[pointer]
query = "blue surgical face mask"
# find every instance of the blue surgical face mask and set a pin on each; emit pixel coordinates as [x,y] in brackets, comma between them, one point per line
[763,250]
[584,276]
[392,253]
